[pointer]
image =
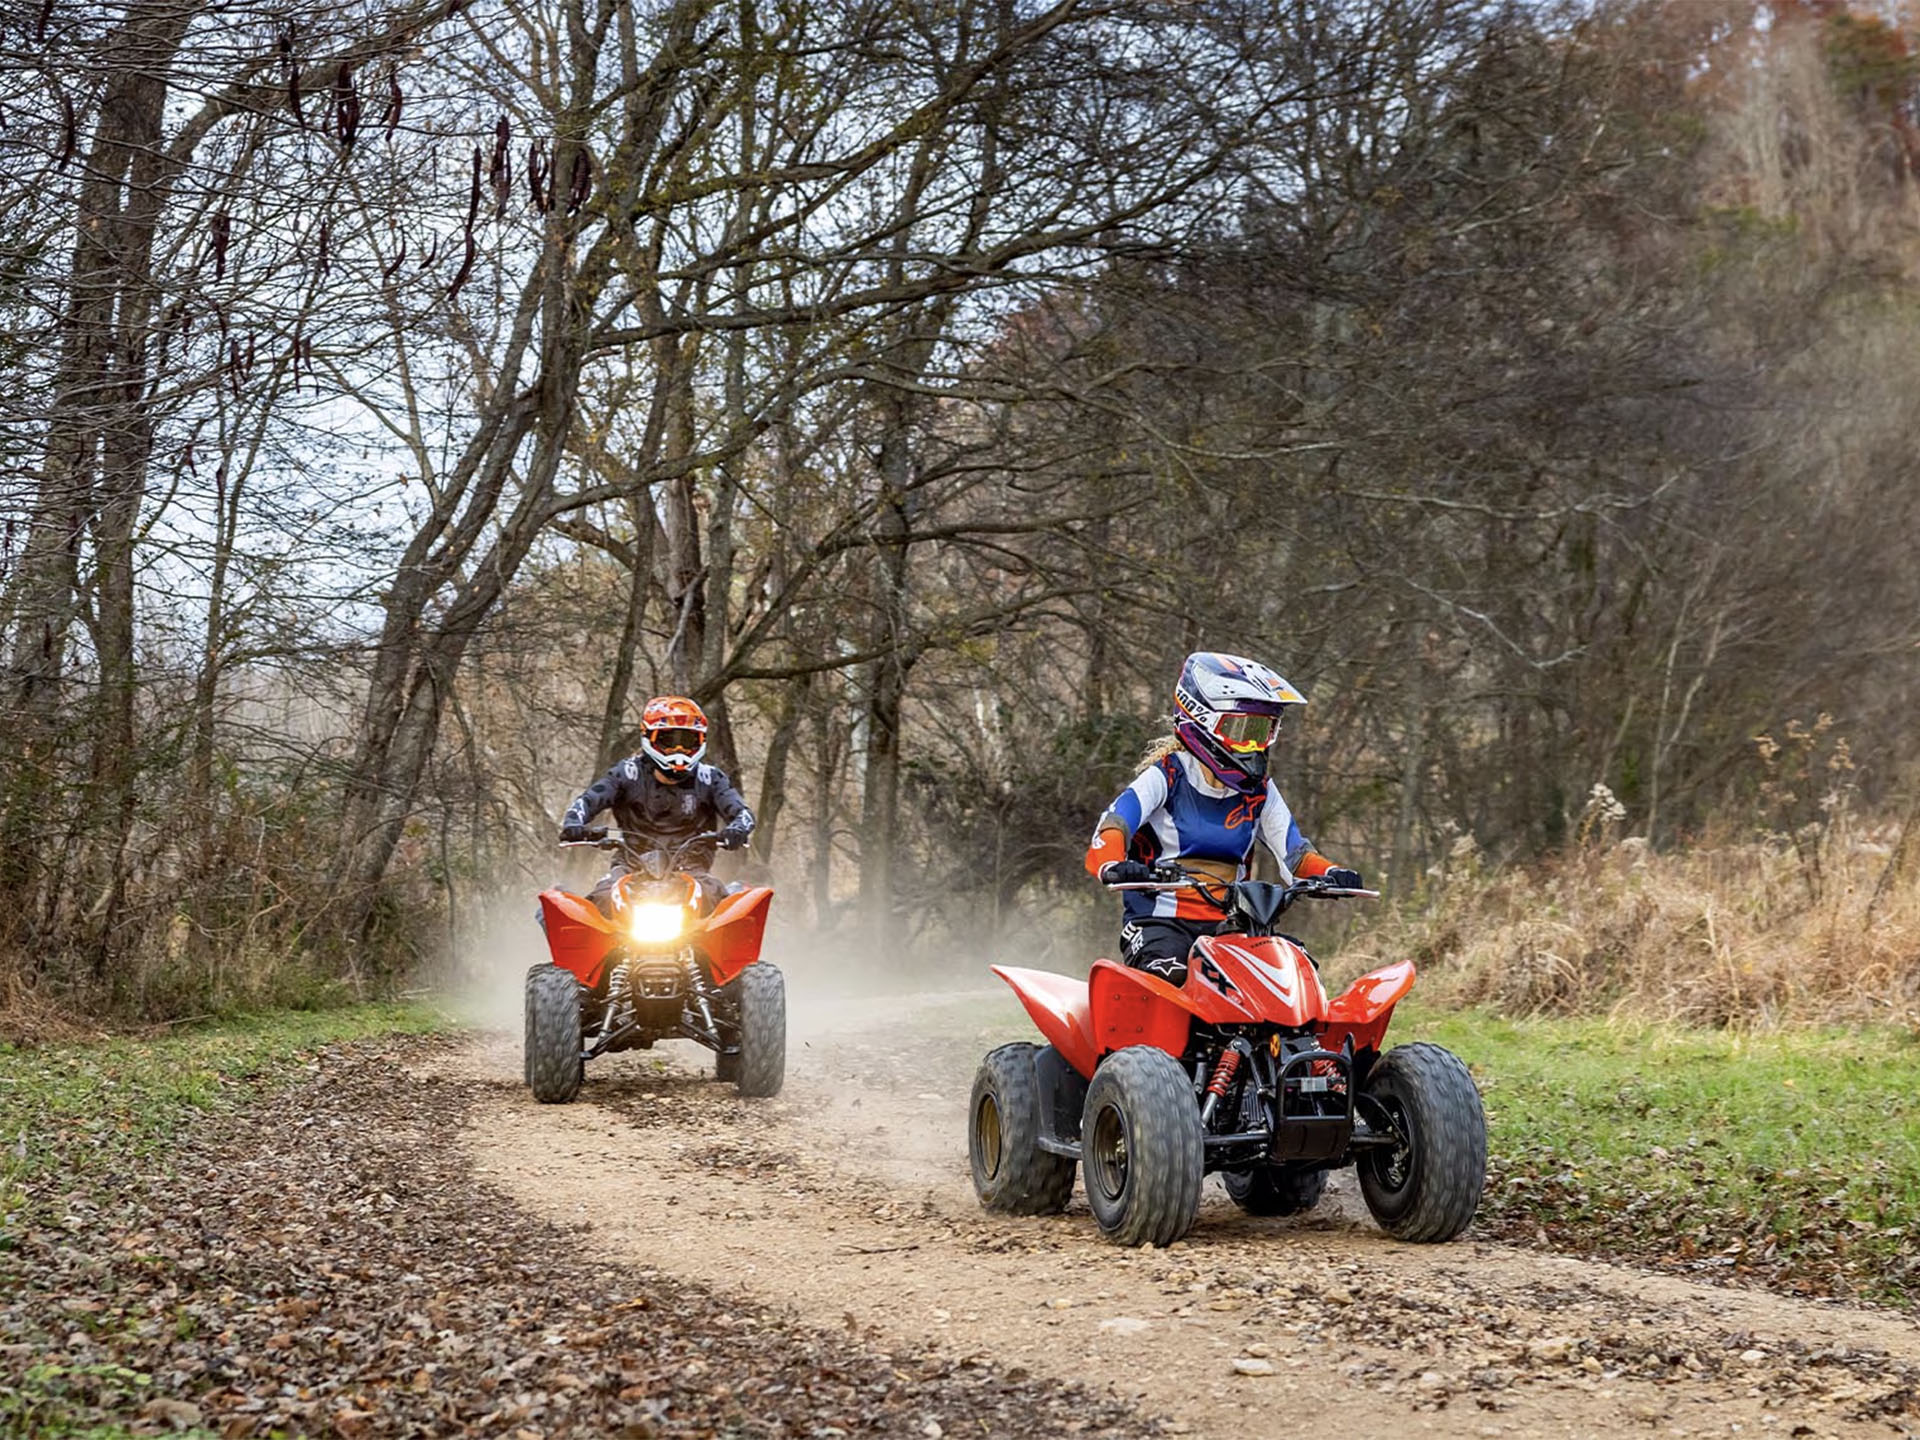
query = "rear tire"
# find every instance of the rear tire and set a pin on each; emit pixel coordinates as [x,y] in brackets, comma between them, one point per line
[1428,1189]
[1011,1173]
[1141,1148]
[554,1066]
[762,1062]
[1275,1189]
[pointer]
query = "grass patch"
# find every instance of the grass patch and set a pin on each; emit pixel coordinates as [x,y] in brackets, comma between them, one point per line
[1788,1155]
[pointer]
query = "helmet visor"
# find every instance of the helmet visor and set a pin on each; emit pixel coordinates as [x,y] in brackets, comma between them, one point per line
[1246,734]
[678,741]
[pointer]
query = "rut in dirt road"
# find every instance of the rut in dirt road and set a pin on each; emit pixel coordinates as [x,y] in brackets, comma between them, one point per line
[848,1197]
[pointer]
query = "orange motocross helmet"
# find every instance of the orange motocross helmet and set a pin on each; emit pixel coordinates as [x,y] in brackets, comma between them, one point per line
[673,735]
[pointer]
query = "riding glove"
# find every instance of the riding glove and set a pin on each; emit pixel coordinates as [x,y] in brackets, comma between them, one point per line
[1126,872]
[1346,879]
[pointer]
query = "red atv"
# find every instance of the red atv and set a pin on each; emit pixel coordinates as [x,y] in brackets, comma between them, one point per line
[1247,1069]
[658,968]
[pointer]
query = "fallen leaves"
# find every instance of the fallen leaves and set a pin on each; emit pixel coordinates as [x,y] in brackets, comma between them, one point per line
[324,1263]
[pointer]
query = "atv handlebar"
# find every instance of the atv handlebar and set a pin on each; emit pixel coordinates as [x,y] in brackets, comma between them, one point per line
[1219,892]
[601,837]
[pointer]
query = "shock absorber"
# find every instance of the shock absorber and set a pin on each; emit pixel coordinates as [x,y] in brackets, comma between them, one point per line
[697,985]
[617,992]
[1224,1069]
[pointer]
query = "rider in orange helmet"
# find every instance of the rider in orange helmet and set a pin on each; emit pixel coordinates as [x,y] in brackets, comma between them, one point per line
[667,792]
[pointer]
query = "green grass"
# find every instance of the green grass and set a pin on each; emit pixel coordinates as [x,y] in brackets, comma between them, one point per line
[88,1108]
[1792,1154]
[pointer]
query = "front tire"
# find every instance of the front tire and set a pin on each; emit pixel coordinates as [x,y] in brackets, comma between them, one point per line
[762,1063]
[1141,1148]
[1427,1188]
[554,1066]
[1275,1189]
[1011,1173]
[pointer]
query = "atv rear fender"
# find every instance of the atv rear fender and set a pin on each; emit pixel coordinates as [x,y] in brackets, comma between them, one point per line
[1114,1007]
[732,936]
[1364,1008]
[1058,1005]
[578,935]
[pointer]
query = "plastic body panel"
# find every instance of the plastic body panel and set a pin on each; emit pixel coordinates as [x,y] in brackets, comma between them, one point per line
[731,935]
[1365,1007]
[579,937]
[1059,1006]
[1239,979]
[1233,980]
[1131,1007]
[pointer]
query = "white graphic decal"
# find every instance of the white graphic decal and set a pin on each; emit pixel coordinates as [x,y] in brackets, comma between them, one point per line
[1281,980]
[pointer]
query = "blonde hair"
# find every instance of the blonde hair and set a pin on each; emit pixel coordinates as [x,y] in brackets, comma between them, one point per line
[1158,750]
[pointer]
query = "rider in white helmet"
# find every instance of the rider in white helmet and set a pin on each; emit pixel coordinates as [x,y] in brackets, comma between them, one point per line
[1202,800]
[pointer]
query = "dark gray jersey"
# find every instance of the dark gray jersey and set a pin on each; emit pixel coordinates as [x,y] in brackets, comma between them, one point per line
[642,802]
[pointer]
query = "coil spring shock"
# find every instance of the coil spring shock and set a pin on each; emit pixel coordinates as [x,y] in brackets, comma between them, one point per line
[697,983]
[1224,1069]
[617,991]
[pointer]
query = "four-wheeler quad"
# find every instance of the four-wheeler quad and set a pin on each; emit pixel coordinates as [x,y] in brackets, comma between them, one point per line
[662,966]
[1247,1069]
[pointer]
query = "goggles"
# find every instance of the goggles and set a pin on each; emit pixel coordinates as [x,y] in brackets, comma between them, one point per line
[1246,734]
[677,741]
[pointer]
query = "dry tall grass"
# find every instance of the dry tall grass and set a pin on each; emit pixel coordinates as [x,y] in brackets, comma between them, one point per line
[1786,930]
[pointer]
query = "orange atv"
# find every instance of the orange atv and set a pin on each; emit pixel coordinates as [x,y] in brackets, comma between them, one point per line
[1248,1069]
[667,963]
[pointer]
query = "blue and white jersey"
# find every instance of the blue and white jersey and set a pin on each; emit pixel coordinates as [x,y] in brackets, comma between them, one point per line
[1175,810]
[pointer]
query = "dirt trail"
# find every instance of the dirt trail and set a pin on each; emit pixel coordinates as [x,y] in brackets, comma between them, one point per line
[847,1197]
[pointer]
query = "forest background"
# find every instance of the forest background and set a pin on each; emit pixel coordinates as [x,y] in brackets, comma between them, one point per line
[397,394]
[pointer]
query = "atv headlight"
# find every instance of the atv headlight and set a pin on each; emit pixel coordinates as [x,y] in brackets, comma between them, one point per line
[653,923]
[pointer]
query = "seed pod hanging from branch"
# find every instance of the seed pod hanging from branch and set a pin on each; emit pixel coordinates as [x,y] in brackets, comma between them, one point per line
[538,174]
[221,228]
[500,171]
[580,182]
[346,106]
[69,132]
[473,216]
[290,63]
[390,117]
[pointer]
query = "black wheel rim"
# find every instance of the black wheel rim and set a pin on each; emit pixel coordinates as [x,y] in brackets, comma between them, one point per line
[1394,1169]
[1107,1153]
[986,1136]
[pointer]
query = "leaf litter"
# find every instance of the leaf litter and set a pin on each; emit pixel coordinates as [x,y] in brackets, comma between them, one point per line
[324,1263]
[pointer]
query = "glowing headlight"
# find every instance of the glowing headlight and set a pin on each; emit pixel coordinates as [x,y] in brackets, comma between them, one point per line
[652,923]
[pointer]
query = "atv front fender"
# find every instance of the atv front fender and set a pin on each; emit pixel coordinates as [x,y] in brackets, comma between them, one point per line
[578,935]
[1364,1008]
[731,936]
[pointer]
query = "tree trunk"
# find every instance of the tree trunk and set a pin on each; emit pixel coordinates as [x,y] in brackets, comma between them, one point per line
[99,439]
[613,722]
